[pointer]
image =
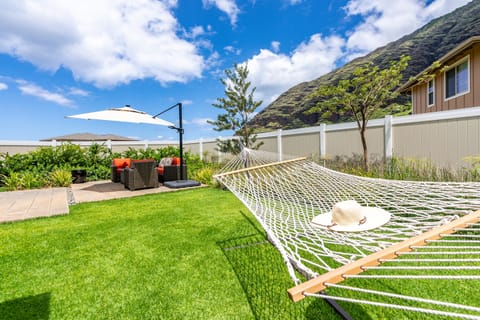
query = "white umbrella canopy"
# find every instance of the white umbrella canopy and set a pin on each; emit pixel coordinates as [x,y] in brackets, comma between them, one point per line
[123,114]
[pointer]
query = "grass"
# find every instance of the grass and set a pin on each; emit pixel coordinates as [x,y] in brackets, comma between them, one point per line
[193,254]
[405,168]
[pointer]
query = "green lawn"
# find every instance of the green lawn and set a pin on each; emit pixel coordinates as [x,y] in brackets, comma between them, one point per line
[193,254]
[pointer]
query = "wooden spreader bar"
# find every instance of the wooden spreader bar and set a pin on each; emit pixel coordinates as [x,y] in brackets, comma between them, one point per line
[337,275]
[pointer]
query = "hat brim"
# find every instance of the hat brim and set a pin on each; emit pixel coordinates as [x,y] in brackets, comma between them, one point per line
[375,217]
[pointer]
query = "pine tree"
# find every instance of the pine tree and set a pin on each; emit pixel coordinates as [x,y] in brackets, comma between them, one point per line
[239,107]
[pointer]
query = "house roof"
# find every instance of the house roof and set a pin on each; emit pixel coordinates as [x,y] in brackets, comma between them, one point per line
[449,55]
[89,137]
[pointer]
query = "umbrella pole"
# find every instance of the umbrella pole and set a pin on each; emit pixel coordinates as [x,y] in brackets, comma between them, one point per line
[180,132]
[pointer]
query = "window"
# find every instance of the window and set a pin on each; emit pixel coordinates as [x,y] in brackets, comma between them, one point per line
[431,93]
[457,80]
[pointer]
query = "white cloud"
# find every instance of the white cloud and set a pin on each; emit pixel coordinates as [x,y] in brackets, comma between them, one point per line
[294,2]
[3,86]
[227,6]
[196,31]
[440,7]
[187,102]
[386,21]
[273,73]
[39,92]
[117,42]
[201,121]
[213,60]
[233,50]
[78,92]
[275,46]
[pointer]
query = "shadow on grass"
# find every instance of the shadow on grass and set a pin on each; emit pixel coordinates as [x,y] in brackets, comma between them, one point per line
[26,308]
[264,278]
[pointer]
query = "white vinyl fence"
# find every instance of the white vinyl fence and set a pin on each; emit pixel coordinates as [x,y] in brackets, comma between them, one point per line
[446,138]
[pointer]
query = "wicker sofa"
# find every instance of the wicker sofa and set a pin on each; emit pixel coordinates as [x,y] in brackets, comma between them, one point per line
[141,174]
[169,170]
[117,167]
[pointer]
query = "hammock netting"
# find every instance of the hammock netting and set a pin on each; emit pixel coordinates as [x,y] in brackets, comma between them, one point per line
[284,196]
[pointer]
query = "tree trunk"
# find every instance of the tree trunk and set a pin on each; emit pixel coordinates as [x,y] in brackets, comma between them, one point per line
[365,149]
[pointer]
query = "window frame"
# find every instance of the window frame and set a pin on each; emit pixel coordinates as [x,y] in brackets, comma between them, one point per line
[456,95]
[429,105]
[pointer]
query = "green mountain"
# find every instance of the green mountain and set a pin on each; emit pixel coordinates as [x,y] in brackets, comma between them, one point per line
[425,45]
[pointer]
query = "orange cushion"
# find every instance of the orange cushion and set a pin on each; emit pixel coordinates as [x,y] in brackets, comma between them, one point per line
[160,170]
[117,162]
[121,162]
[142,160]
[175,161]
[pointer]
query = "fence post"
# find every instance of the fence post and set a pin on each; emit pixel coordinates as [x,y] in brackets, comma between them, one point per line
[279,144]
[323,141]
[388,137]
[219,153]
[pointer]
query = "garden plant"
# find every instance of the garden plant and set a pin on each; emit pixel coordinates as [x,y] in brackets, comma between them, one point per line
[51,166]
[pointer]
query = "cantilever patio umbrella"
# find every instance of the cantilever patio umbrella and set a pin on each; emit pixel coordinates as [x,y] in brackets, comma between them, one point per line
[123,114]
[128,114]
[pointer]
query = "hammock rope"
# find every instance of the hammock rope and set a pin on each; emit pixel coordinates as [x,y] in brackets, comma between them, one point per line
[405,297]
[396,306]
[285,196]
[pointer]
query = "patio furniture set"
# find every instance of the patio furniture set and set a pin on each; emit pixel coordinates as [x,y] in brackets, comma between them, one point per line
[146,173]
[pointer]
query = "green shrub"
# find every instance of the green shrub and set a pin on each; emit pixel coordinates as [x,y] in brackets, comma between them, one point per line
[30,180]
[71,155]
[131,153]
[39,167]
[473,171]
[169,151]
[204,176]
[95,173]
[12,181]
[61,178]
[98,159]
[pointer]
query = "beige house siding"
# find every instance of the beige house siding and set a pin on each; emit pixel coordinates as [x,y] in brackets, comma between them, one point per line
[468,100]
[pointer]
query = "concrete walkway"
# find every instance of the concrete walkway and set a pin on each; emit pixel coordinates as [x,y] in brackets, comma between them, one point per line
[28,204]
[22,205]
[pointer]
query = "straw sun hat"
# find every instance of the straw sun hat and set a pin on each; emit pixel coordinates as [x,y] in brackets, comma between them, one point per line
[351,216]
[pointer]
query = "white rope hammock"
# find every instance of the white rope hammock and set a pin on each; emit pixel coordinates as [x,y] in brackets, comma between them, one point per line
[285,196]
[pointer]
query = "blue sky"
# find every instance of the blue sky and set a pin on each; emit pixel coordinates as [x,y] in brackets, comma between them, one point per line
[64,57]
